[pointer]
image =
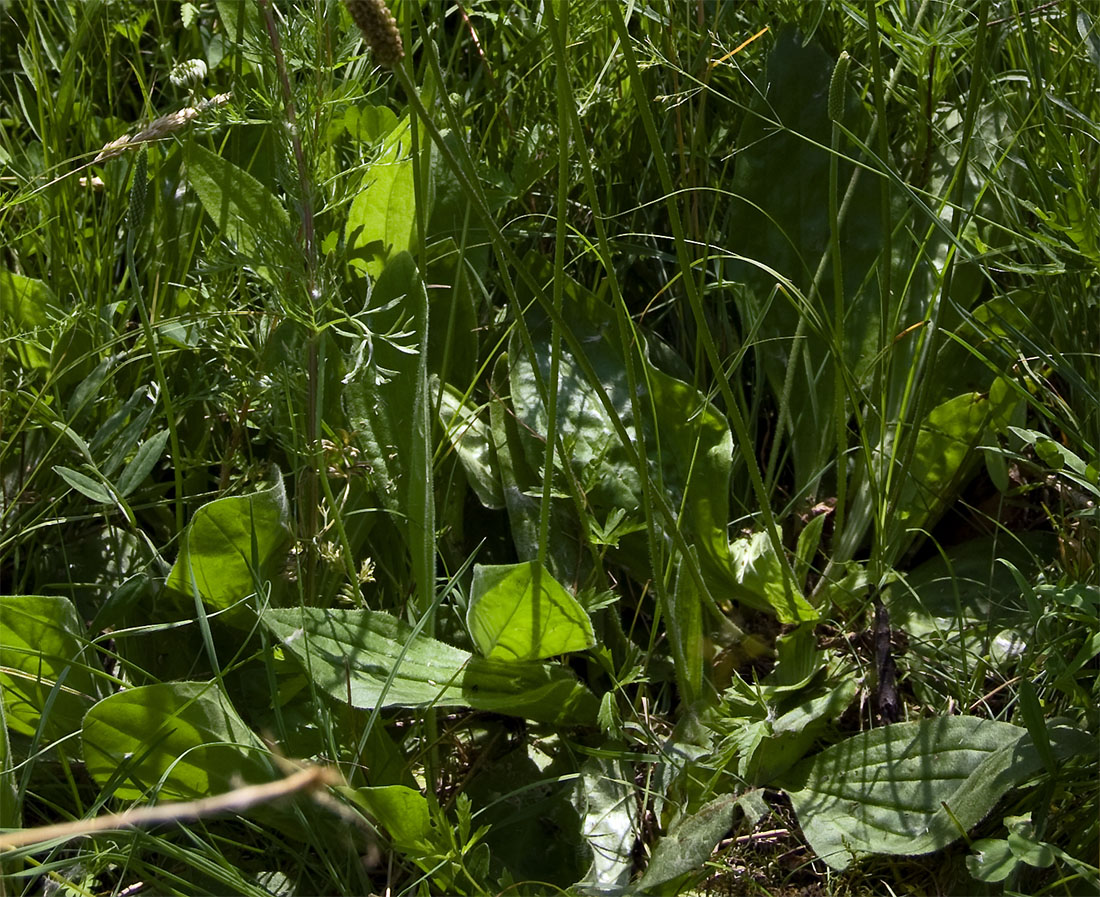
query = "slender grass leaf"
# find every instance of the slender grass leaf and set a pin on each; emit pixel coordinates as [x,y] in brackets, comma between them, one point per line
[908,788]
[144,461]
[85,485]
[509,621]
[244,210]
[383,664]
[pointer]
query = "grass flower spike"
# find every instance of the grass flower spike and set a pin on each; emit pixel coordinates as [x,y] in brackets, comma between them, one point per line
[160,127]
[379,29]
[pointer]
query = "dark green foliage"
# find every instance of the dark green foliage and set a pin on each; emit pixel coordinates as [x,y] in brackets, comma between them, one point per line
[557,433]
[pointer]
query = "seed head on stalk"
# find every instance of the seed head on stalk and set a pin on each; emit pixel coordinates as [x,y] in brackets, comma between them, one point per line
[379,30]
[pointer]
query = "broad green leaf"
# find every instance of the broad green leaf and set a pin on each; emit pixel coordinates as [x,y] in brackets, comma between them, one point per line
[685,629]
[907,788]
[808,540]
[452,351]
[229,546]
[382,215]
[1031,851]
[387,402]
[509,621]
[368,123]
[691,842]
[519,484]
[42,655]
[238,19]
[758,570]
[381,398]
[472,441]
[379,660]
[689,447]
[244,210]
[27,304]
[991,859]
[11,809]
[526,798]
[945,450]
[794,733]
[403,811]
[773,722]
[605,799]
[778,220]
[172,740]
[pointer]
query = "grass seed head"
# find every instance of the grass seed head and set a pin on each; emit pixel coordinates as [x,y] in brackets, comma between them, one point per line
[379,30]
[161,127]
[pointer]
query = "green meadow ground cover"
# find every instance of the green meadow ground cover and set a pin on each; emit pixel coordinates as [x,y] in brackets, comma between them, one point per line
[612,448]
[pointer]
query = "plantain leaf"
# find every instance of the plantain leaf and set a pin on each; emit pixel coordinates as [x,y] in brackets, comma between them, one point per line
[913,788]
[46,683]
[380,222]
[691,842]
[229,546]
[473,444]
[177,740]
[509,621]
[28,304]
[403,811]
[380,662]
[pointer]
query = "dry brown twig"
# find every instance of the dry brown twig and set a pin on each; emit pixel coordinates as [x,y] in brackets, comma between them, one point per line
[312,778]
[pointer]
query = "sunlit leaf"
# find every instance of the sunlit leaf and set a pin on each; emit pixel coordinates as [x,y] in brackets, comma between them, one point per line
[374,660]
[46,679]
[403,811]
[229,546]
[382,215]
[913,788]
[175,740]
[509,621]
